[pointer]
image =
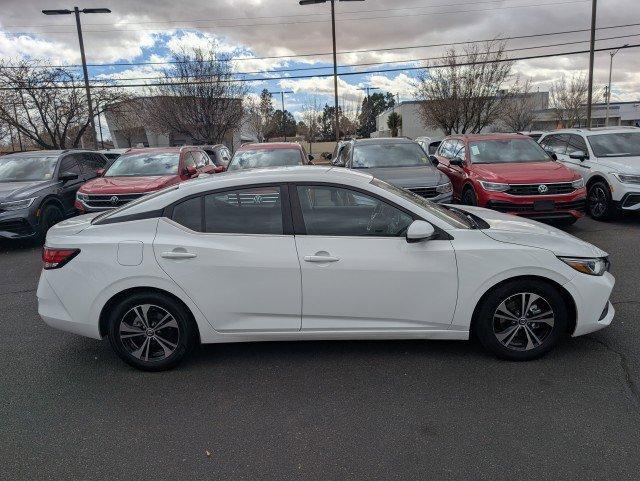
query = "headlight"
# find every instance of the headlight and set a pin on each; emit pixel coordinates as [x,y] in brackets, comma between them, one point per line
[17,205]
[81,196]
[494,186]
[444,188]
[595,266]
[578,184]
[628,179]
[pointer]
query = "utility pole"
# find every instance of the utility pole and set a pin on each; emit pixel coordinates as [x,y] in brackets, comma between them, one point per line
[284,125]
[335,62]
[76,11]
[368,89]
[15,115]
[100,125]
[594,5]
[612,54]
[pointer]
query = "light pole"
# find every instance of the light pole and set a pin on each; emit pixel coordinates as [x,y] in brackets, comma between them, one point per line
[594,5]
[284,125]
[612,54]
[76,11]
[335,63]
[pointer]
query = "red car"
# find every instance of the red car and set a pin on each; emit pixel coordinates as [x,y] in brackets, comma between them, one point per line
[275,154]
[139,172]
[511,173]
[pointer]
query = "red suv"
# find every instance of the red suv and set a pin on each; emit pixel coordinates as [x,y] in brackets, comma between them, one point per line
[139,172]
[511,173]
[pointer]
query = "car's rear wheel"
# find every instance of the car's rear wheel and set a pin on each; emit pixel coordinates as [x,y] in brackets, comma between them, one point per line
[151,331]
[599,203]
[50,215]
[469,196]
[521,320]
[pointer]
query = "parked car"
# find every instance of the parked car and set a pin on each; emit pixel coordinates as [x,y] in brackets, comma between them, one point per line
[113,154]
[424,142]
[534,134]
[511,173]
[276,154]
[139,172]
[370,260]
[609,161]
[219,155]
[399,161]
[38,189]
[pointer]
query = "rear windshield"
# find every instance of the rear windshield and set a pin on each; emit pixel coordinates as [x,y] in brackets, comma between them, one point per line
[625,144]
[401,154]
[21,168]
[254,159]
[135,165]
[505,151]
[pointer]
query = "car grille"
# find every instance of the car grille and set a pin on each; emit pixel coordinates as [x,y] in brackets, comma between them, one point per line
[427,192]
[18,227]
[534,189]
[631,199]
[579,205]
[109,201]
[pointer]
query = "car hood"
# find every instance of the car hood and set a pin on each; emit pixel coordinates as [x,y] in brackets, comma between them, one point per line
[127,185]
[525,172]
[20,190]
[622,165]
[409,177]
[512,229]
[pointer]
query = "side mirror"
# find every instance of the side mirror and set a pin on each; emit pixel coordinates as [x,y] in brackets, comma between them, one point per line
[420,230]
[67,176]
[552,154]
[190,171]
[328,155]
[434,160]
[457,161]
[100,172]
[338,163]
[578,155]
[310,157]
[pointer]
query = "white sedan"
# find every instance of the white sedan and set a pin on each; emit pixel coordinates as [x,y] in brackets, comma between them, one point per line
[315,253]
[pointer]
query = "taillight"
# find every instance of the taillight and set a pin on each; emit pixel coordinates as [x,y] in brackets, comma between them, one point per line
[55,258]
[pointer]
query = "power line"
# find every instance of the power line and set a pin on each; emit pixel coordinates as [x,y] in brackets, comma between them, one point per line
[383,17]
[345,74]
[344,52]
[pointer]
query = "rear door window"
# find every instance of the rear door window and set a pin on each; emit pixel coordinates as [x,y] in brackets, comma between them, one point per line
[254,210]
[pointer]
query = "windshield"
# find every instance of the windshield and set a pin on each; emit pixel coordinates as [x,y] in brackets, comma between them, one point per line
[253,159]
[507,151]
[452,217]
[401,154]
[136,165]
[23,168]
[620,144]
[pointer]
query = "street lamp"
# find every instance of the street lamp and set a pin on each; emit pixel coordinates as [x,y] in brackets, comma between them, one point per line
[612,54]
[76,11]
[335,63]
[284,125]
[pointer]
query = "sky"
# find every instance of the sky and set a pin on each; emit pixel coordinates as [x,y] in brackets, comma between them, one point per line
[151,30]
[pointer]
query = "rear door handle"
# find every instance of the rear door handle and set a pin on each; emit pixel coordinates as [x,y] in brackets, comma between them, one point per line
[321,259]
[178,255]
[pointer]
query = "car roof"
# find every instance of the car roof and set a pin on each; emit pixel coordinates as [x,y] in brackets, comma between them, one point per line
[494,136]
[270,146]
[154,150]
[596,130]
[383,140]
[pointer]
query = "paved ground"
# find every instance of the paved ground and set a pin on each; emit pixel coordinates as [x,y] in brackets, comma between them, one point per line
[69,409]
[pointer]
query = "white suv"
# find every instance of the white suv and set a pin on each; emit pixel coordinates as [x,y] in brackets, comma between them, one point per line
[609,161]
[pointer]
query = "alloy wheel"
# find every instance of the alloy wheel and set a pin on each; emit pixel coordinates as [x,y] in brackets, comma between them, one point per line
[523,321]
[597,201]
[149,333]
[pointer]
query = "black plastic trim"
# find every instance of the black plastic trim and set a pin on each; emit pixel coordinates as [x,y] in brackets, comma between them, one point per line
[152,214]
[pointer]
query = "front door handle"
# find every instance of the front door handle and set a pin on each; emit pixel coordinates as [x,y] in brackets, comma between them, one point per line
[178,255]
[320,259]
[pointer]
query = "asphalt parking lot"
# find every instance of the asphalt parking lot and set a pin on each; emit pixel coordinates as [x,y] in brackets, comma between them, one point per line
[322,410]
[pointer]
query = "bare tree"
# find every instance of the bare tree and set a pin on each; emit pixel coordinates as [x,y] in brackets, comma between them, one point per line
[464,93]
[350,120]
[519,110]
[311,118]
[198,98]
[48,105]
[568,98]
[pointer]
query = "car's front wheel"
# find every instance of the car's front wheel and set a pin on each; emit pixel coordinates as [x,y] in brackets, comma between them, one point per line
[50,215]
[469,196]
[151,331]
[521,320]
[599,203]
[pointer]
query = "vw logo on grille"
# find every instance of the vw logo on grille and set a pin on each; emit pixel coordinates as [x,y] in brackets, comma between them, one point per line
[257,199]
[543,189]
[114,200]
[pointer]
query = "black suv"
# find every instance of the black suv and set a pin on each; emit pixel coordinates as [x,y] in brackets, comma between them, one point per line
[38,189]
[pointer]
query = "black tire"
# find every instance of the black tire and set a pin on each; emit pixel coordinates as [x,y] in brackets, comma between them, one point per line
[599,203]
[129,338]
[50,216]
[469,196]
[512,339]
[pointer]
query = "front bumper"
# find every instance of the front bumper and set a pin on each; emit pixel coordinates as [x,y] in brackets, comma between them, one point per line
[630,201]
[563,206]
[18,224]
[594,311]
